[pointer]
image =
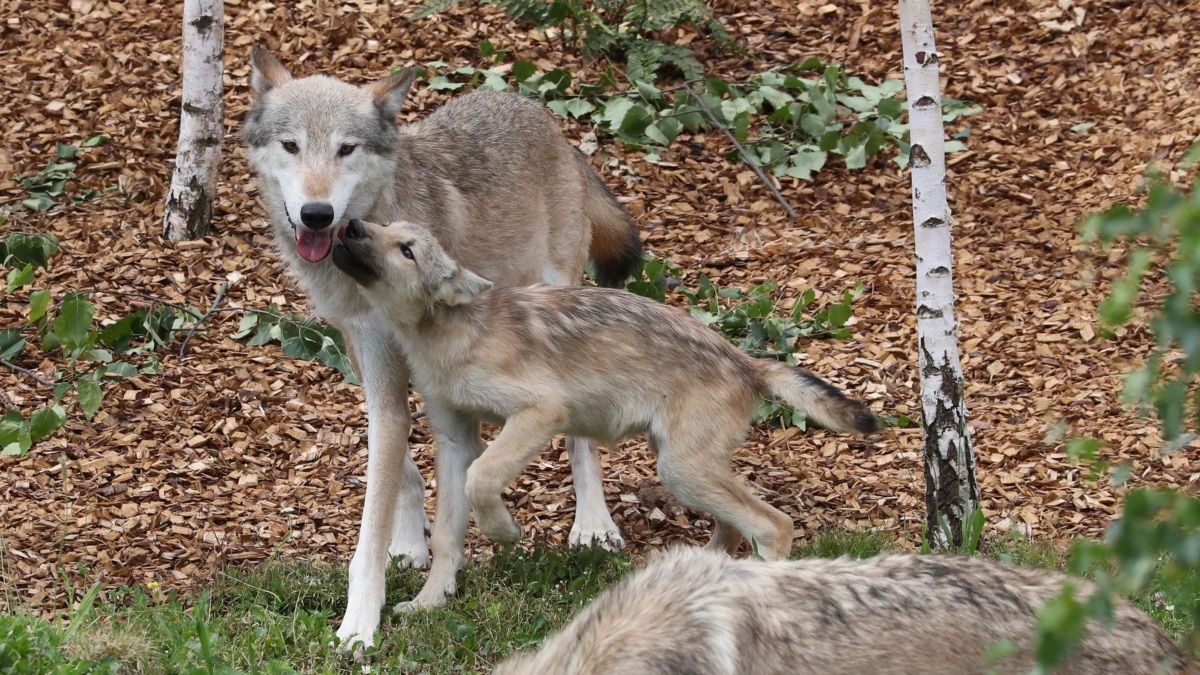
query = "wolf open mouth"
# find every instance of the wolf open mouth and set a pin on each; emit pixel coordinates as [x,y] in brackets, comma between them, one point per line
[313,245]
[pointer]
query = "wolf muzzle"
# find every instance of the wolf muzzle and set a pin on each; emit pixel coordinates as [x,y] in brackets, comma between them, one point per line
[354,255]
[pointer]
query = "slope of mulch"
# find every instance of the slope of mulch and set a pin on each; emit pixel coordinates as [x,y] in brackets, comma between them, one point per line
[235,454]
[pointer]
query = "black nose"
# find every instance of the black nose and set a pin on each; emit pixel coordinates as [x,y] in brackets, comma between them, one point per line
[354,230]
[317,215]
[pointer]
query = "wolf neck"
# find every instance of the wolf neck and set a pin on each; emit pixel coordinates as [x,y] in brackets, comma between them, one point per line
[439,342]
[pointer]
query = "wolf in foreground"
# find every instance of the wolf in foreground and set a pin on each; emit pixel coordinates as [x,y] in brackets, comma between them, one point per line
[600,363]
[702,613]
[501,188]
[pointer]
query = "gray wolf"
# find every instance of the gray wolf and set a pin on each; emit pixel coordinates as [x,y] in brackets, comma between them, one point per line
[497,183]
[595,362]
[702,613]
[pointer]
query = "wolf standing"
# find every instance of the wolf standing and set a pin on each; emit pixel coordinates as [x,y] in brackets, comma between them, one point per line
[492,176]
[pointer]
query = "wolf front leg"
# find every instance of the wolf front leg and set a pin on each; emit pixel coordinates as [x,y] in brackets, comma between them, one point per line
[458,443]
[593,522]
[523,437]
[393,518]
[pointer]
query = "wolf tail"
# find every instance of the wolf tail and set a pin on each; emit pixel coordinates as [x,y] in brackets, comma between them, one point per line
[816,398]
[616,248]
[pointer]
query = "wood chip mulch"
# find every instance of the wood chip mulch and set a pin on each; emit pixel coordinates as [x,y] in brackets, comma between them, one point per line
[235,454]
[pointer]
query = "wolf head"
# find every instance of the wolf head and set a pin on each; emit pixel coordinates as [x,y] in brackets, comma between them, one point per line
[321,148]
[404,265]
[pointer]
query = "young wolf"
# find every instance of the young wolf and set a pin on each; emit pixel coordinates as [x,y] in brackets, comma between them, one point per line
[596,362]
[499,186]
[699,612]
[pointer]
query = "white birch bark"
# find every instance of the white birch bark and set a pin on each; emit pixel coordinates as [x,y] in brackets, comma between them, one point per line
[189,207]
[951,491]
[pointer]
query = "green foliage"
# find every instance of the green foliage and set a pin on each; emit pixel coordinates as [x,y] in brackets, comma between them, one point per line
[752,320]
[969,538]
[790,121]
[1158,534]
[86,355]
[299,337]
[620,30]
[48,188]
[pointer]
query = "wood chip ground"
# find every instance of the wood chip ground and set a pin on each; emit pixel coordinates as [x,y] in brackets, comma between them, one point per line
[234,455]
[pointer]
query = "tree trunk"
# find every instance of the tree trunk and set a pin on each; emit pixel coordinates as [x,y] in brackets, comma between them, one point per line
[951,492]
[189,208]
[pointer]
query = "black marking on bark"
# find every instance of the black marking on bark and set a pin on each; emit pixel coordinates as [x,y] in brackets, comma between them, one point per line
[939,271]
[927,312]
[920,158]
[925,102]
[208,142]
[203,24]
[951,489]
[199,110]
[933,222]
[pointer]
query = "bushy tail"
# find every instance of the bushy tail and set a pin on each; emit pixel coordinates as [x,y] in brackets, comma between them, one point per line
[816,398]
[616,248]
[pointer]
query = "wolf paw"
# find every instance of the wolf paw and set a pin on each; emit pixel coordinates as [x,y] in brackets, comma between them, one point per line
[503,529]
[415,560]
[608,539]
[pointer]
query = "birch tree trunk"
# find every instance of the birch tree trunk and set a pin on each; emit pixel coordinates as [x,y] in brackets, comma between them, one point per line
[951,491]
[189,207]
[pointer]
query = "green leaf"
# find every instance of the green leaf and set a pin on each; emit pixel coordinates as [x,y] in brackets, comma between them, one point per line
[1083,127]
[74,322]
[20,277]
[90,397]
[441,83]
[523,70]
[578,107]
[46,421]
[11,344]
[246,326]
[120,369]
[39,300]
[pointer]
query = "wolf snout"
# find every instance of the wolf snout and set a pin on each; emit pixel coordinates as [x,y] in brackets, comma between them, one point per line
[317,215]
[354,230]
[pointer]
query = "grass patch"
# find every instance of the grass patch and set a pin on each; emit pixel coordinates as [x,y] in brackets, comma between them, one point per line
[280,617]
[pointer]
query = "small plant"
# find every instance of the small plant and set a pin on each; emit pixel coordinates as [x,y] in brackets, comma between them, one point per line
[623,31]
[87,355]
[789,121]
[48,188]
[1158,533]
[299,337]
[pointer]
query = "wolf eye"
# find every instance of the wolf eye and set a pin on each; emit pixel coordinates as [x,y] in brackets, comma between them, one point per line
[406,251]
[290,147]
[346,149]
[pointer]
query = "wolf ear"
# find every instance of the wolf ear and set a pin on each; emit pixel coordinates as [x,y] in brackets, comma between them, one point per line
[390,92]
[266,71]
[461,287]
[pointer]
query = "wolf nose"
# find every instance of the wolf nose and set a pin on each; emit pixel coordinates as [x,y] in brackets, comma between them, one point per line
[317,215]
[354,230]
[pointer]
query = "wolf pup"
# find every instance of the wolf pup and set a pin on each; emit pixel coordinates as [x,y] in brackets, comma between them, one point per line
[498,185]
[601,363]
[696,611]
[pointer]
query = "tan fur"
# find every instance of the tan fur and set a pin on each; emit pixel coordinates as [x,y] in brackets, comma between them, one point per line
[499,186]
[594,362]
[701,613]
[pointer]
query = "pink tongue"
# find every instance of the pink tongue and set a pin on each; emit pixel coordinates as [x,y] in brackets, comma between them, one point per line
[314,246]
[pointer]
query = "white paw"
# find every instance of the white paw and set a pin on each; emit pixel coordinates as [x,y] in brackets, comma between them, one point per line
[607,538]
[354,638]
[416,560]
[502,529]
[426,599]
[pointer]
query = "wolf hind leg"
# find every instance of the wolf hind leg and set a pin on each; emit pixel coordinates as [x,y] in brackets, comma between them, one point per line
[593,522]
[703,480]
[519,442]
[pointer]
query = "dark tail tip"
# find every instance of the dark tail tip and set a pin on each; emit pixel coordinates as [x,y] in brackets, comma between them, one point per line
[612,272]
[865,422]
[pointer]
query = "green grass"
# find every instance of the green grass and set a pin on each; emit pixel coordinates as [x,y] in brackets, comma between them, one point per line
[280,617]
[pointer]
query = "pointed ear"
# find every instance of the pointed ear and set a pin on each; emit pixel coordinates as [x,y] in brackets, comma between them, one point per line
[461,287]
[390,92]
[266,72]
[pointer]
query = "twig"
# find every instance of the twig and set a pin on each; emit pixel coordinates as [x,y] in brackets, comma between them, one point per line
[28,372]
[217,301]
[742,151]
